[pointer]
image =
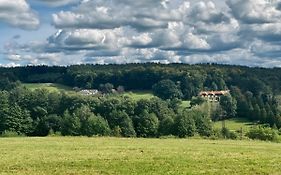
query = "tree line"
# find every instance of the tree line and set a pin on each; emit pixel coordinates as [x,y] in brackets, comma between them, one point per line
[40,112]
[254,91]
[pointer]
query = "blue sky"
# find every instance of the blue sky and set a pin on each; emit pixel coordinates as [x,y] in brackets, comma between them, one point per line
[64,32]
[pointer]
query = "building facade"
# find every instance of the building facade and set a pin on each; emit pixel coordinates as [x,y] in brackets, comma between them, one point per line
[213,96]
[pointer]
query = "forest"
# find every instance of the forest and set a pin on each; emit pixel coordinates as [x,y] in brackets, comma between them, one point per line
[254,94]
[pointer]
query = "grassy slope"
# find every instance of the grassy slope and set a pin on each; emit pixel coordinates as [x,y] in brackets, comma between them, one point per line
[48,86]
[235,124]
[76,155]
[138,95]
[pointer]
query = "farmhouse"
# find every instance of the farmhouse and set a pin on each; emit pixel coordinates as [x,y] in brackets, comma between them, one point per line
[213,95]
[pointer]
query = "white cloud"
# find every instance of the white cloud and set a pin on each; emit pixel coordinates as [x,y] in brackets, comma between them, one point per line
[254,11]
[18,13]
[188,31]
[57,3]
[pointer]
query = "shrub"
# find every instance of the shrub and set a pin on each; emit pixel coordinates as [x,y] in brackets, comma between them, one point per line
[216,134]
[11,134]
[224,133]
[263,133]
[53,133]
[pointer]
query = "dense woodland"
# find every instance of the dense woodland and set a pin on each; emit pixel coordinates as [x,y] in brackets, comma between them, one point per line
[254,95]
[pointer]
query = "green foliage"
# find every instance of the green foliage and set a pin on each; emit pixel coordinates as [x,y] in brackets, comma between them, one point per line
[70,125]
[96,125]
[197,101]
[121,120]
[166,126]
[106,88]
[147,124]
[11,134]
[263,133]
[38,111]
[4,109]
[17,120]
[203,125]
[227,134]
[185,125]
[166,89]
[228,105]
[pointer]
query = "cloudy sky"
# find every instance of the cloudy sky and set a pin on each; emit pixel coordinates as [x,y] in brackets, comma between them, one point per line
[64,32]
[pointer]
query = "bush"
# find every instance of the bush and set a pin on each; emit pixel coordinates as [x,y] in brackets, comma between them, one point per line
[216,134]
[226,133]
[53,133]
[11,134]
[263,133]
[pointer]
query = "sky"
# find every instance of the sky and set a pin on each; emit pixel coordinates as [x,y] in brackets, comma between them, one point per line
[66,32]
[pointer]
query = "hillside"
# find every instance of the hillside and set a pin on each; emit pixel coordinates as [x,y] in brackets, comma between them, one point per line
[253,95]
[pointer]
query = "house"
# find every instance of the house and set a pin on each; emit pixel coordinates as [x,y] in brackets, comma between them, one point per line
[213,95]
[89,92]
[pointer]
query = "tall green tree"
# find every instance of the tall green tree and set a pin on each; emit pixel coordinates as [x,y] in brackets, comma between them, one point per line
[185,125]
[96,125]
[124,122]
[147,125]
[4,109]
[70,125]
[229,105]
[167,89]
[18,120]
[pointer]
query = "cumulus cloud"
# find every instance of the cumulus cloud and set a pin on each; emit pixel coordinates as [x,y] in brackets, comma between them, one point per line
[57,3]
[18,13]
[255,11]
[188,31]
[107,14]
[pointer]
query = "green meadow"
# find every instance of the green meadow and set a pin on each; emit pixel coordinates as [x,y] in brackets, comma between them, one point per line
[235,124]
[48,86]
[82,155]
[138,95]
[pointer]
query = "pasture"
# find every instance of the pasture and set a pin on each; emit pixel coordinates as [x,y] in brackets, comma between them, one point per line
[82,155]
[235,124]
[138,95]
[48,86]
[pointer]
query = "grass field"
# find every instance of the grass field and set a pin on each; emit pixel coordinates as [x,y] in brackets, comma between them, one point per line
[138,95]
[81,155]
[235,124]
[49,86]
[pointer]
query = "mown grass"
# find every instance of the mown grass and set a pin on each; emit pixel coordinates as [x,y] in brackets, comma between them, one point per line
[235,124]
[80,155]
[48,86]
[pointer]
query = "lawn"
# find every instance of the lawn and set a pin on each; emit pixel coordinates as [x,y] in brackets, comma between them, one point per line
[235,124]
[138,95]
[49,86]
[81,155]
